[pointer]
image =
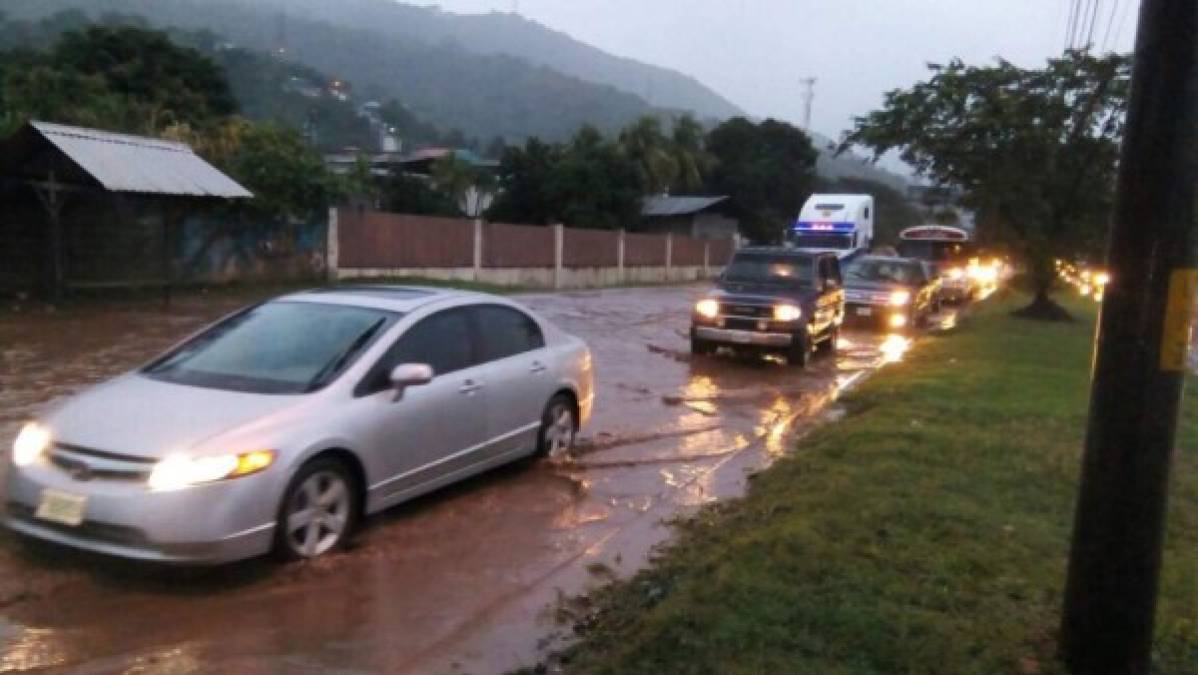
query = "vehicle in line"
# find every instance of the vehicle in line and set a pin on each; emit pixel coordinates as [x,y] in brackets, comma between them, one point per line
[898,294]
[951,252]
[772,300]
[834,223]
[281,425]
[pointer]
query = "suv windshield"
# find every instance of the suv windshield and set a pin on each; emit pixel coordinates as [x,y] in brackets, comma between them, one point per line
[889,271]
[769,268]
[274,348]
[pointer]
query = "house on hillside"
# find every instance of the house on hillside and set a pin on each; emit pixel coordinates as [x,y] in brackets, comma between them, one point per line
[703,217]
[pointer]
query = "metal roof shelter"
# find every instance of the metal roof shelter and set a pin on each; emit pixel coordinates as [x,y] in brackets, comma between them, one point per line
[666,205]
[56,160]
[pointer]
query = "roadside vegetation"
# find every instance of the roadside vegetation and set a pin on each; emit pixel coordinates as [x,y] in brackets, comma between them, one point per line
[927,531]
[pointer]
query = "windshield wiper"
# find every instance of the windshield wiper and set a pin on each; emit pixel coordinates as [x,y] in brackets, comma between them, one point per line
[336,364]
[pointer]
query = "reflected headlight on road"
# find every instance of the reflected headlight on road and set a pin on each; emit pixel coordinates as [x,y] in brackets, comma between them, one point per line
[179,471]
[31,443]
[955,273]
[1102,279]
[708,308]
[787,313]
[899,298]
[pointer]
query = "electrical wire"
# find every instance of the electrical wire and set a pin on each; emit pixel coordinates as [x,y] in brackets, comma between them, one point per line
[1106,38]
[1071,24]
[1093,20]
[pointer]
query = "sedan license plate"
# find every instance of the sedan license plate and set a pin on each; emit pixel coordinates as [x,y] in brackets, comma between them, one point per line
[61,507]
[865,311]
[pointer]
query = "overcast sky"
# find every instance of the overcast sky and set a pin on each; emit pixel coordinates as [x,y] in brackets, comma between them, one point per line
[754,52]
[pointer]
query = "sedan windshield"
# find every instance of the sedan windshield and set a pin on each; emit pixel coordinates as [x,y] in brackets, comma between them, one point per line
[887,271]
[274,348]
[765,268]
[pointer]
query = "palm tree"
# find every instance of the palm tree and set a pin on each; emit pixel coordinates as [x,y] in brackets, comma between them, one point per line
[690,157]
[650,149]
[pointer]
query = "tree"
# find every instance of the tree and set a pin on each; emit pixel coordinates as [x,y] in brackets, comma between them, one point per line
[172,83]
[1033,151]
[767,169]
[524,174]
[650,150]
[409,194]
[691,158]
[594,185]
[287,177]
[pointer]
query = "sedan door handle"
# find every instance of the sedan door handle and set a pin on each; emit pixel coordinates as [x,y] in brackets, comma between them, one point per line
[538,367]
[470,386]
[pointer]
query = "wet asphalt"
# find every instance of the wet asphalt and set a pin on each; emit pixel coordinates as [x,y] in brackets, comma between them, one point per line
[467,580]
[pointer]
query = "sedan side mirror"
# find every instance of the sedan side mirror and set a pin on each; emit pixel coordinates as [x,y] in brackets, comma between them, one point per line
[409,375]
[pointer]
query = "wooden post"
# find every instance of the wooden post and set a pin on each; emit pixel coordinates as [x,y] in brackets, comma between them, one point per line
[50,195]
[620,256]
[478,248]
[669,254]
[558,250]
[332,252]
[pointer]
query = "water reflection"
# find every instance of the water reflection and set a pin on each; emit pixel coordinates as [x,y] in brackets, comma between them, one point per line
[894,347]
[32,648]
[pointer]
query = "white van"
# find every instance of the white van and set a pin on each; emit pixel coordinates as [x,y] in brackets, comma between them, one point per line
[840,224]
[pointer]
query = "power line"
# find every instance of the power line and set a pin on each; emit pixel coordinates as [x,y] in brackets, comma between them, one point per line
[1071,25]
[1109,24]
[1122,21]
[1093,20]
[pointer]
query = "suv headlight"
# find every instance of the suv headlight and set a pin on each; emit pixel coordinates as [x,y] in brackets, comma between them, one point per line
[787,313]
[900,298]
[707,308]
[179,471]
[32,441]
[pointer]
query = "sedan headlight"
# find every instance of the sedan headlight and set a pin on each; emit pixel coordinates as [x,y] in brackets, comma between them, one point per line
[955,273]
[900,298]
[179,471]
[32,441]
[707,308]
[787,313]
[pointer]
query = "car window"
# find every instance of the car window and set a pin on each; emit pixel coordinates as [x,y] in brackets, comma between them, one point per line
[505,331]
[441,340]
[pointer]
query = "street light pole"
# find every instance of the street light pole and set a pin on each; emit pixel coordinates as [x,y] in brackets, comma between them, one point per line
[1140,359]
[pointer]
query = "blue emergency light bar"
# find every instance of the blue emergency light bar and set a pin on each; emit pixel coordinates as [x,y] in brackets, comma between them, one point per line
[823,226]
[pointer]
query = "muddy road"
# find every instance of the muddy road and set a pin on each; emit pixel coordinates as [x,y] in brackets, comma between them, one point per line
[465,580]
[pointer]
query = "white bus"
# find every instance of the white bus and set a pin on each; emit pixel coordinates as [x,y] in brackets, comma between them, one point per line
[840,224]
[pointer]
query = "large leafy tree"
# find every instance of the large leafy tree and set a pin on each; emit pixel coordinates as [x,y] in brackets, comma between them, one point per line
[172,83]
[593,185]
[766,168]
[646,145]
[1033,150]
[524,174]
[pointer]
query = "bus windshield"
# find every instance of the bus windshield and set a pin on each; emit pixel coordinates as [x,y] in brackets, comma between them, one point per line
[934,251]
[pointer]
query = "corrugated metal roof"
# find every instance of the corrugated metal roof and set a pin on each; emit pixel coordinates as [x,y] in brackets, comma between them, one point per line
[123,163]
[677,206]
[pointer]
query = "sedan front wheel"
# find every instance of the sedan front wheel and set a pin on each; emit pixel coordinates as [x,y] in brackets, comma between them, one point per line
[318,511]
[559,426]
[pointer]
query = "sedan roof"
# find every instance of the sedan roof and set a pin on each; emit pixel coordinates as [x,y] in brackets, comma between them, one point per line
[393,298]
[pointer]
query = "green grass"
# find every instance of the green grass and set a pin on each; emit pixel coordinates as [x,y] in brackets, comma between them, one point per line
[925,532]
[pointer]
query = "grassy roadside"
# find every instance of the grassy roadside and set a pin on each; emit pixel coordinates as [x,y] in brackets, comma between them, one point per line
[926,532]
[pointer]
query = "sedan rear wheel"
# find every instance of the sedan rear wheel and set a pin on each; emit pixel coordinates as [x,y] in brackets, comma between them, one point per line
[559,426]
[318,511]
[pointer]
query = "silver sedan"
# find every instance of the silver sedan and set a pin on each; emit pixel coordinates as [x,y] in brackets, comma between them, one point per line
[279,426]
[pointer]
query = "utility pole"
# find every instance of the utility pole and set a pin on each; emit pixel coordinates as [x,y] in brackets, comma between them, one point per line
[1140,360]
[808,97]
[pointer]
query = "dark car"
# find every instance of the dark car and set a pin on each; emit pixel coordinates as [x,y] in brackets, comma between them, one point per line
[897,293]
[772,300]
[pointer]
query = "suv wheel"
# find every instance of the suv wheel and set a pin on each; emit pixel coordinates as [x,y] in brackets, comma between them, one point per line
[799,352]
[701,347]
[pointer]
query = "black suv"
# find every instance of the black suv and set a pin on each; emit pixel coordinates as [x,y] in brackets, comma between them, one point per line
[772,300]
